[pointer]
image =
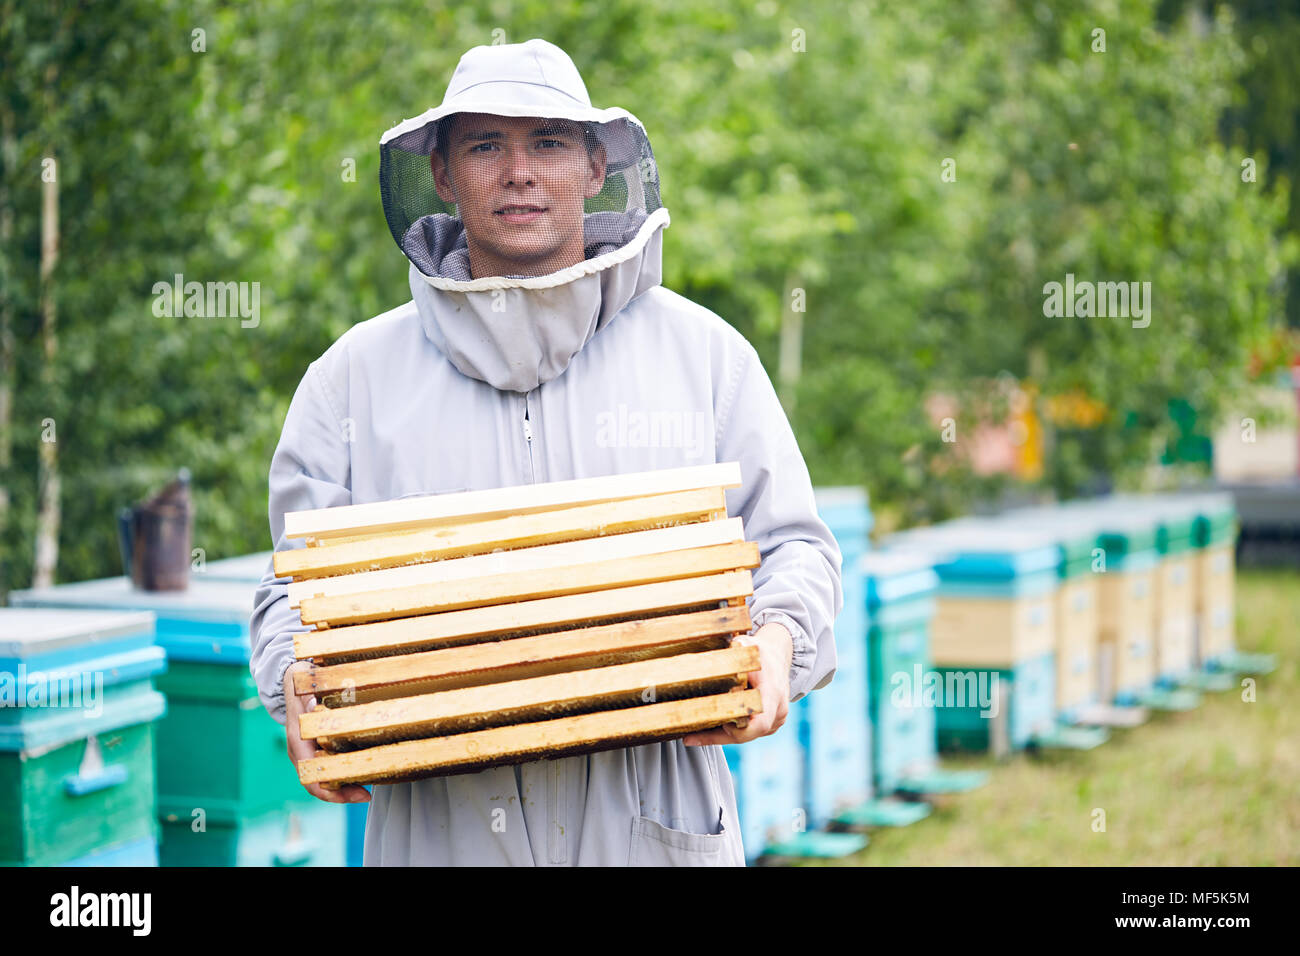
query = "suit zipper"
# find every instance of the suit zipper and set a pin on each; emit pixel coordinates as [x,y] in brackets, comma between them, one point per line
[528,438]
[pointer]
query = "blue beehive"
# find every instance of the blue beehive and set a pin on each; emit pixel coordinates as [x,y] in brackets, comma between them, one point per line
[793,781]
[77,713]
[834,736]
[357,814]
[767,779]
[222,767]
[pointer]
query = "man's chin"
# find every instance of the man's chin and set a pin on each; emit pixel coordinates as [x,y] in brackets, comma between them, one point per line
[527,259]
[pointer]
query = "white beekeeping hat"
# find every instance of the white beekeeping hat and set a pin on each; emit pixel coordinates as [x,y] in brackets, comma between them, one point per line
[531,79]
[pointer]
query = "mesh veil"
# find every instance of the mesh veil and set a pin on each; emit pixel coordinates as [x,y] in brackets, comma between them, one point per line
[525,188]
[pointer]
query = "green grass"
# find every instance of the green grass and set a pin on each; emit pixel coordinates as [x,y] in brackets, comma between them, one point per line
[1215,786]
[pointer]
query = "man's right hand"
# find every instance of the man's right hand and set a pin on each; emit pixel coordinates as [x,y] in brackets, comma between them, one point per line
[299,749]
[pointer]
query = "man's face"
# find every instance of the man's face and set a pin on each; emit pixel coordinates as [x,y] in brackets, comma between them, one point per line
[519,184]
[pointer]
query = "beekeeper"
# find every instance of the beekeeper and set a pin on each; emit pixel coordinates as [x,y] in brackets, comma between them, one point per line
[539,346]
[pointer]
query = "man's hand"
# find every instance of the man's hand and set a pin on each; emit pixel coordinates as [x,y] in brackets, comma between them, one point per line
[772,681]
[300,749]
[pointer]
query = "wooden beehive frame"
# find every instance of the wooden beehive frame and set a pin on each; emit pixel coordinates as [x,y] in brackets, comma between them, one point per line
[454,632]
[492,661]
[372,552]
[585,733]
[410,514]
[423,599]
[523,560]
[338,644]
[534,698]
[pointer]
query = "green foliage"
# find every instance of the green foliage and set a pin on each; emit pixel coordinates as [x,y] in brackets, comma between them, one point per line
[1107,165]
[1265,118]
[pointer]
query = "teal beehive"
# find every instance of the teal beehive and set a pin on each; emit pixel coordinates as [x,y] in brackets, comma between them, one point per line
[993,629]
[77,713]
[900,591]
[221,757]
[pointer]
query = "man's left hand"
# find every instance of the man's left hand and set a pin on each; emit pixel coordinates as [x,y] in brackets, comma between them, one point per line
[772,681]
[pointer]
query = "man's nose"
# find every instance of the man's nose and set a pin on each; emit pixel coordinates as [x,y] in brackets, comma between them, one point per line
[518,168]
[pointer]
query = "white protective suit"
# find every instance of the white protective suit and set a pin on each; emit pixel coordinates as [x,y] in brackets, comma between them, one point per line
[589,371]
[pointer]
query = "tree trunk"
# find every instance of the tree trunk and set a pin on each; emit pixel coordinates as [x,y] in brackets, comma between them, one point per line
[47,517]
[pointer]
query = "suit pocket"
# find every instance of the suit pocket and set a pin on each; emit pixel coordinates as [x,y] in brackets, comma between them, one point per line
[654,844]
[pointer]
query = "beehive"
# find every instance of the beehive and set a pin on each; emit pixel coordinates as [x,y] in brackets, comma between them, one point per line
[1214,572]
[834,735]
[1173,582]
[993,629]
[77,715]
[1127,562]
[900,600]
[222,769]
[1075,613]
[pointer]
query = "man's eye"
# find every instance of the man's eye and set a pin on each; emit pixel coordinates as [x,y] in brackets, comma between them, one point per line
[551,143]
[482,147]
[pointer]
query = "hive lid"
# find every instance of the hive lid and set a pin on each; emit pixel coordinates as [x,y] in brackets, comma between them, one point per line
[28,631]
[895,576]
[1075,533]
[981,548]
[203,600]
[1211,504]
[1123,528]
[1215,513]
[1175,518]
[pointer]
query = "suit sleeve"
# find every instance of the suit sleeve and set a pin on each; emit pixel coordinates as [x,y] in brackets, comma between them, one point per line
[311,468]
[798,581]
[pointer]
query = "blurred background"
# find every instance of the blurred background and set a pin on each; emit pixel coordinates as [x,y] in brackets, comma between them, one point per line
[875,195]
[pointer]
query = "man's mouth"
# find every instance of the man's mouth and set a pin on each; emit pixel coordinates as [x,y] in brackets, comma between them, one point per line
[525,212]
